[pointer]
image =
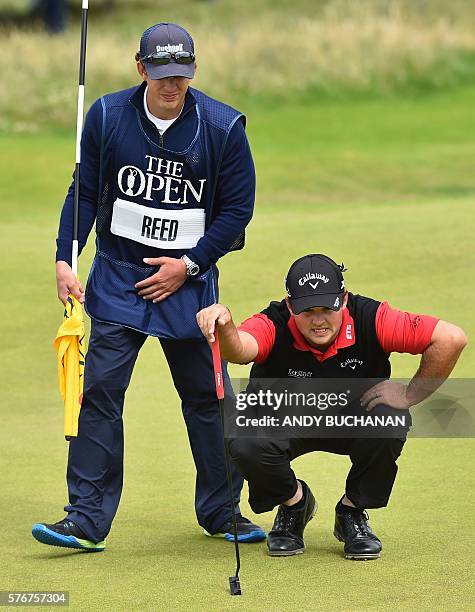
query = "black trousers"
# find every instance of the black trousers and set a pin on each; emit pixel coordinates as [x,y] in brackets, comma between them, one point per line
[265,464]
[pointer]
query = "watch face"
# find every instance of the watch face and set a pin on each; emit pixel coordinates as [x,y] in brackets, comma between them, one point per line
[194,269]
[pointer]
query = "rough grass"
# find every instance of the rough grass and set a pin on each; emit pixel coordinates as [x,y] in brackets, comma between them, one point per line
[335,49]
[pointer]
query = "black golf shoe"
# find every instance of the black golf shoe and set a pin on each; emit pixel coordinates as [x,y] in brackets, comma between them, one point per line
[246,531]
[352,528]
[286,537]
[65,534]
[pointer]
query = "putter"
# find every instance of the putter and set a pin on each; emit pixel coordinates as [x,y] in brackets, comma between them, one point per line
[234,584]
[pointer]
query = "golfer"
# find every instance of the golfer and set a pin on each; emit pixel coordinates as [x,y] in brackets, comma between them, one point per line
[168,177]
[322,331]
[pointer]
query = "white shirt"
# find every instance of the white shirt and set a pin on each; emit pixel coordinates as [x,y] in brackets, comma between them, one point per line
[161,124]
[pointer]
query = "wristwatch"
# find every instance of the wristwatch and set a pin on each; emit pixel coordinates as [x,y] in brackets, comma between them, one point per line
[192,268]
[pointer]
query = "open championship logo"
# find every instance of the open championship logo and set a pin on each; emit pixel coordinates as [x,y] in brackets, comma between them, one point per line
[162,180]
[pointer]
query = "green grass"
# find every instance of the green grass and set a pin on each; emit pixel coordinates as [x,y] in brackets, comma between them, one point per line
[387,187]
[230,11]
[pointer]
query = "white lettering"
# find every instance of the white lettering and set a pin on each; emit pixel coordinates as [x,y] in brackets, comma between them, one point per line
[195,193]
[298,373]
[362,421]
[168,188]
[170,48]
[312,276]
[163,166]
[177,169]
[150,161]
[150,187]
[241,401]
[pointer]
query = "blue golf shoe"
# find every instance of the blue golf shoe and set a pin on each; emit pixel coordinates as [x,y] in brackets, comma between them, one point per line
[65,534]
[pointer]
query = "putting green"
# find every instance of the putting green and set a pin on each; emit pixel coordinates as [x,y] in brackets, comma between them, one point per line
[393,199]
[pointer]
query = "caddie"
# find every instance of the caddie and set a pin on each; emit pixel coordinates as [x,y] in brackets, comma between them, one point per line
[167,175]
[320,330]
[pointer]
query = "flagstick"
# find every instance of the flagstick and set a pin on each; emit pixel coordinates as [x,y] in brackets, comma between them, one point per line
[79,122]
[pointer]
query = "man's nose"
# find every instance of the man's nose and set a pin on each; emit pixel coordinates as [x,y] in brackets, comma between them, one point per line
[317,318]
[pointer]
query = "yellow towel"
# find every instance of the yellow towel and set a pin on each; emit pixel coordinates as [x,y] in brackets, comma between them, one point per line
[71,348]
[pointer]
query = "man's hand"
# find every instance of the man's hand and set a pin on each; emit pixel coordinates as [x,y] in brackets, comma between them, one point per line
[236,346]
[67,282]
[167,280]
[208,317]
[388,393]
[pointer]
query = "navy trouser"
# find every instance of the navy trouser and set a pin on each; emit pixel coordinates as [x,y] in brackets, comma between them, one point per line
[95,465]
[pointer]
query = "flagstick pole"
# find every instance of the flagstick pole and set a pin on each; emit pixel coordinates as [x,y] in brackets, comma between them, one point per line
[79,123]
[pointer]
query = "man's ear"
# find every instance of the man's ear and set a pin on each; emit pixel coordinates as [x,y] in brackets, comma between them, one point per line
[287,301]
[141,70]
[345,299]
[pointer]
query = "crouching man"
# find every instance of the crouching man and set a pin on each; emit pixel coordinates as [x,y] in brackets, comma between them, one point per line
[318,329]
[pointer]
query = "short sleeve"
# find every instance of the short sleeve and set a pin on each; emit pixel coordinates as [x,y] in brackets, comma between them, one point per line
[403,332]
[262,329]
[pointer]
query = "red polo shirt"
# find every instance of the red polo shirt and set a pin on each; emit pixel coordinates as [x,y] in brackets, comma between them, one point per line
[397,331]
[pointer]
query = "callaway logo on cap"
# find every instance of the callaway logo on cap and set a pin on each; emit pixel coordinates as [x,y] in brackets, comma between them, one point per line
[315,280]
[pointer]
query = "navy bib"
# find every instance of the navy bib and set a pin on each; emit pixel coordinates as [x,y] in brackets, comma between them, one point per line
[154,202]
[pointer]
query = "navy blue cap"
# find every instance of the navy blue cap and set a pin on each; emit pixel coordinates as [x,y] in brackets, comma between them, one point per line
[167,37]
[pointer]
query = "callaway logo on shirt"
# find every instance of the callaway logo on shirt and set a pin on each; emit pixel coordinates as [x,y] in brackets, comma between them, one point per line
[352,363]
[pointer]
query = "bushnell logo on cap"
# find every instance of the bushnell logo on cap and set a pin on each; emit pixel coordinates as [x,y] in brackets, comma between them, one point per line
[167,50]
[315,281]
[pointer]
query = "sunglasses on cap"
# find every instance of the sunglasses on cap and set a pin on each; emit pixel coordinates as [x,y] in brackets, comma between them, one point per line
[160,58]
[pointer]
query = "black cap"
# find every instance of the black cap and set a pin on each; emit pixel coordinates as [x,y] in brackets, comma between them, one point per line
[167,37]
[315,280]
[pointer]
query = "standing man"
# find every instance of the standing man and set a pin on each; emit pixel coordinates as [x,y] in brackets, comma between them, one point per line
[322,331]
[168,176]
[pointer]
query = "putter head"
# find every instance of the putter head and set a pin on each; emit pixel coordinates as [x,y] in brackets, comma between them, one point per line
[234,585]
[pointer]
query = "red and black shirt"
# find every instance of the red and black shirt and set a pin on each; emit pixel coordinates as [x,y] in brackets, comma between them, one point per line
[369,332]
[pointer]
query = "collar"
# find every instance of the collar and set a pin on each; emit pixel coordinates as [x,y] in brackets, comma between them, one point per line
[345,338]
[157,120]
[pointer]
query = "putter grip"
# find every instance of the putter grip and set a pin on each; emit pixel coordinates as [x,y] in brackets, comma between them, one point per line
[218,370]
